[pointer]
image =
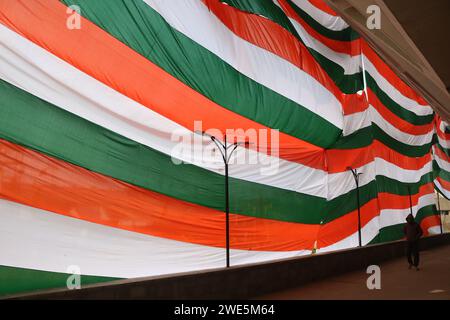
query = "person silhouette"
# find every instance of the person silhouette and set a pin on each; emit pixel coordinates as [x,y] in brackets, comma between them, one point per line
[413,232]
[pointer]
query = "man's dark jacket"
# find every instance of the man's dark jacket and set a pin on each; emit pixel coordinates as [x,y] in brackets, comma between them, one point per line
[412,229]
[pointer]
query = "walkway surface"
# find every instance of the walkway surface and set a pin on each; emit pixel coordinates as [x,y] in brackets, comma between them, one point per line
[397,282]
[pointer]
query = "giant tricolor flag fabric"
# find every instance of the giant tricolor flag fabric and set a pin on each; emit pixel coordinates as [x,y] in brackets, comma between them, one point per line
[93,116]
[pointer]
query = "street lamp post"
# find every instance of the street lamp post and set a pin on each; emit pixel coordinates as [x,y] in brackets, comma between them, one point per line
[410,201]
[226,156]
[440,212]
[356,175]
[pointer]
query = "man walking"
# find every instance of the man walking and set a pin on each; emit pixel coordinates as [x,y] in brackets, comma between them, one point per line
[413,232]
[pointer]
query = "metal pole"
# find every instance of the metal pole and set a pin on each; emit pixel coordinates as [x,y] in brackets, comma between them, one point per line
[227,204]
[356,177]
[359,209]
[440,213]
[410,201]
[224,146]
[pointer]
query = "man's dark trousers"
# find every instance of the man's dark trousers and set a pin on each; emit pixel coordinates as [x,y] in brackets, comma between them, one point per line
[412,253]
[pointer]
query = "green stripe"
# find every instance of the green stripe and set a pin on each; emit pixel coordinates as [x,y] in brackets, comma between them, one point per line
[426,212]
[20,281]
[358,139]
[388,234]
[141,28]
[347,202]
[347,83]
[439,172]
[36,124]
[397,109]
[365,136]
[347,34]
[392,186]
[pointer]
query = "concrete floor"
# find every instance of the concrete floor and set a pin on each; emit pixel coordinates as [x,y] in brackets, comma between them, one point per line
[397,282]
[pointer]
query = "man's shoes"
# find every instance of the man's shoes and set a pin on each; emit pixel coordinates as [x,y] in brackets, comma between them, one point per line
[410,266]
[417,269]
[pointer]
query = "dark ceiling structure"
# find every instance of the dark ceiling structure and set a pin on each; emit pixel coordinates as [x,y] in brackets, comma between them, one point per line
[427,23]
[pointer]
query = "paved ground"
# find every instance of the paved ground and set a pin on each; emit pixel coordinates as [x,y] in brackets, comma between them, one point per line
[397,282]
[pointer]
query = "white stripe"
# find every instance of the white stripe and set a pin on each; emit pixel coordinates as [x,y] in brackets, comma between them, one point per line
[329,21]
[393,92]
[33,69]
[392,171]
[356,121]
[350,64]
[343,182]
[36,239]
[359,120]
[193,19]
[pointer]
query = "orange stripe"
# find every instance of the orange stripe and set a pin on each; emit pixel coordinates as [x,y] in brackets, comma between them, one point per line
[100,55]
[391,201]
[332,232]
[34,179]
[428,222]
[341,159]
[354,103]
[395,120]
[400,160]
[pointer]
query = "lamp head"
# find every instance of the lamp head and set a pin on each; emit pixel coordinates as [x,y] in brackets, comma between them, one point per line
[199,132]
